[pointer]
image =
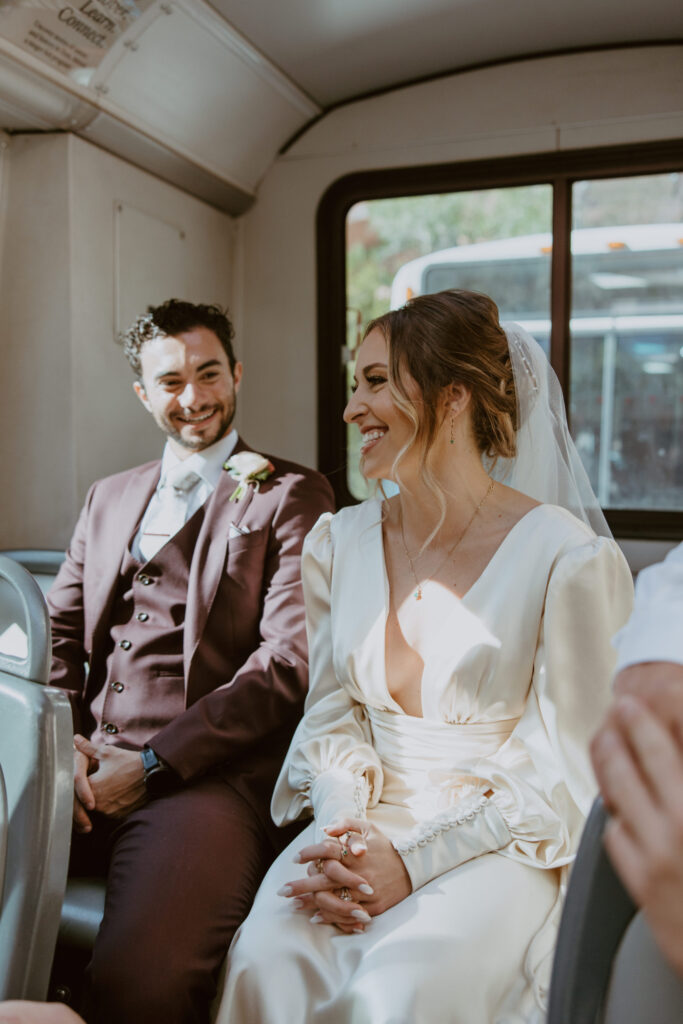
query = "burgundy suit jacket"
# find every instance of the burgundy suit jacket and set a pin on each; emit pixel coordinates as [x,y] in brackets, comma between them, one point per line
[244,649]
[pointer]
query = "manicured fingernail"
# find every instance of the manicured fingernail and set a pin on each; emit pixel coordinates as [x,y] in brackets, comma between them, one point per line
[297,858]
[286,890]
[357,848]
[360,915]
[367,889]
[359,929]
[298,904]
[317,919]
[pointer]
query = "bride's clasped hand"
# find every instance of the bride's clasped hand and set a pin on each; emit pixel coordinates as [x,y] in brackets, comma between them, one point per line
[352,876]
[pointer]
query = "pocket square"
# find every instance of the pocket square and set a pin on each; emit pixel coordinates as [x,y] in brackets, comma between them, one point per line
[237,531]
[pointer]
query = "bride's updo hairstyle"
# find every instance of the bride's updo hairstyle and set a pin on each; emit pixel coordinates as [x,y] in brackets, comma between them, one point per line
[452,337]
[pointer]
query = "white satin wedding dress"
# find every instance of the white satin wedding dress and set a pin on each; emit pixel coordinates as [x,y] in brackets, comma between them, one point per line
[516,677]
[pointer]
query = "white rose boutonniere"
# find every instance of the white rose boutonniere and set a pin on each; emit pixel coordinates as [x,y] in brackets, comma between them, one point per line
[247,468]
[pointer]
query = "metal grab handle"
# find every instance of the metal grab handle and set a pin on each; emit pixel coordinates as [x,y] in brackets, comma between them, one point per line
[36,665]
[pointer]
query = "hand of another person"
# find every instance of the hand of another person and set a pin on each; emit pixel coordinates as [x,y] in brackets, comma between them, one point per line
[639,765]
[659,684]
[19,1012]
[84,799]
[117,783]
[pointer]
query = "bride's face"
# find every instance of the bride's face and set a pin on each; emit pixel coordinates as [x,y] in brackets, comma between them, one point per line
[385,429]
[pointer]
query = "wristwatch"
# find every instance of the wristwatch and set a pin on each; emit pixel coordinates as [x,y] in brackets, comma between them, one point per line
[160,778]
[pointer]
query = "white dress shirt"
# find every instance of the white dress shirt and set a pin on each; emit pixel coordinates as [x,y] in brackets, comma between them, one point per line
[207,464]
[655,630]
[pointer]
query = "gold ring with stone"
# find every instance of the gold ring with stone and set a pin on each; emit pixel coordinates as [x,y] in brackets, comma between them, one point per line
[320,866]
[345,894]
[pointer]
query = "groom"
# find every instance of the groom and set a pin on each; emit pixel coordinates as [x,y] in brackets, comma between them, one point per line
[181,593]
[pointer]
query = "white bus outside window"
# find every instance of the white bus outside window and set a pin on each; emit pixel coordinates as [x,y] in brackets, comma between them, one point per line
[626,379]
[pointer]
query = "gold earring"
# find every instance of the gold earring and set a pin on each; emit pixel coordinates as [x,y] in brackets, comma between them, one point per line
[452,425]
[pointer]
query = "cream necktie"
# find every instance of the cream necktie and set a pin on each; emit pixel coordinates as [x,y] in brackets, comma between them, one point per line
[171,502]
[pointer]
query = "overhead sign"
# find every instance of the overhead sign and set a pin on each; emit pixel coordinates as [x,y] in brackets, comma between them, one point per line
[71,37]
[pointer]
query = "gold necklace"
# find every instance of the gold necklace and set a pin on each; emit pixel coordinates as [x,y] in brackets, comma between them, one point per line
[418,592]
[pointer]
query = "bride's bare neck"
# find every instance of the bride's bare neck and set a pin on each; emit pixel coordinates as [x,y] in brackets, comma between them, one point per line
[420,514]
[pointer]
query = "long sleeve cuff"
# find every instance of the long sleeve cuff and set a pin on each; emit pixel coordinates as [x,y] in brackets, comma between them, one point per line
[338,793]
[474,827]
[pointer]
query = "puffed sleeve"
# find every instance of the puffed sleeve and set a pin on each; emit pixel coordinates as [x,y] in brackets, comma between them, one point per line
[532,796]
[331,769]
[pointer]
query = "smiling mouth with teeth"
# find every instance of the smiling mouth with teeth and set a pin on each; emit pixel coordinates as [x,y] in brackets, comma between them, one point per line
[371,437]
[198,419]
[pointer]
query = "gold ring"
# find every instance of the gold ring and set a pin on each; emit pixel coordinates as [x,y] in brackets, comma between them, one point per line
[344,852]
[320,866]
[345,894]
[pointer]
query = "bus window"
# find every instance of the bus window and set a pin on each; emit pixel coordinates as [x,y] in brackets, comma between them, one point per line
[625,384]
[626,337]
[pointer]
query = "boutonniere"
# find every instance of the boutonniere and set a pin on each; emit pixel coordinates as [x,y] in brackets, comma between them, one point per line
[247,468]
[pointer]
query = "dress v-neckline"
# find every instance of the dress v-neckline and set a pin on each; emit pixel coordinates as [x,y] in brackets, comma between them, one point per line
[463,599]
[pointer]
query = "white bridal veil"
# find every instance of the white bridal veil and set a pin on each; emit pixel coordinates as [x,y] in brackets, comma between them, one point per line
[547,466]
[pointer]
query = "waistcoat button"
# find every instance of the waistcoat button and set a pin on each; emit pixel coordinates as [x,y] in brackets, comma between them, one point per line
[142,616]
[118,688]
[110,728]
[126,644]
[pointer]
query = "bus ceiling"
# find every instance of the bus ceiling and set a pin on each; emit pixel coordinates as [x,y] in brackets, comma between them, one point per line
[206,96]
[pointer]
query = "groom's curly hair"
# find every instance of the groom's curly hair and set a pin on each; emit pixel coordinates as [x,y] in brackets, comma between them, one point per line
[171,318]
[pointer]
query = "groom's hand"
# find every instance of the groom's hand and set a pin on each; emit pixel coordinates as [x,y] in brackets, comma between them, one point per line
[118,781]
[84,800]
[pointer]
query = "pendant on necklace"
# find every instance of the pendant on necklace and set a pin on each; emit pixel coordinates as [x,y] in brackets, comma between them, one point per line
[418,594]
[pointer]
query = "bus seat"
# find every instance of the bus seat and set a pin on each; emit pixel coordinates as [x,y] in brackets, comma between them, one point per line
[643,986]
[601,939]
[36,764]
[42,563]
[83,904]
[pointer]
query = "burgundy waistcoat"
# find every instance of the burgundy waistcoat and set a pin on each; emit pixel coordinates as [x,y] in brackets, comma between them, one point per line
[137,682]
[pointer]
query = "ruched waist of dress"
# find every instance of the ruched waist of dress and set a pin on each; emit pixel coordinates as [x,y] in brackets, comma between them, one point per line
[407,743]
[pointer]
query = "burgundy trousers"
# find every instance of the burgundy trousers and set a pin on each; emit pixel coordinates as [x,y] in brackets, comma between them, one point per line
[182,872]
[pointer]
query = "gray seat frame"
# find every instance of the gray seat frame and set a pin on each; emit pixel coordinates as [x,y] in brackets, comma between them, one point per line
[36,776]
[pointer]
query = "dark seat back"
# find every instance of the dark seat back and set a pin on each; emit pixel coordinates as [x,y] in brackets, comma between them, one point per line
[591,971]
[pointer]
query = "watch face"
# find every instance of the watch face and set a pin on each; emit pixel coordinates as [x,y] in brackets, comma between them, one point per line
[150,761]
[159,778]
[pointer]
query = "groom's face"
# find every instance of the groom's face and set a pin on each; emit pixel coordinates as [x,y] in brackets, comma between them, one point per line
[188,387]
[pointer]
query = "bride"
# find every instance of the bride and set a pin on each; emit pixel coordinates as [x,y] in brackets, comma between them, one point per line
[460,657]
